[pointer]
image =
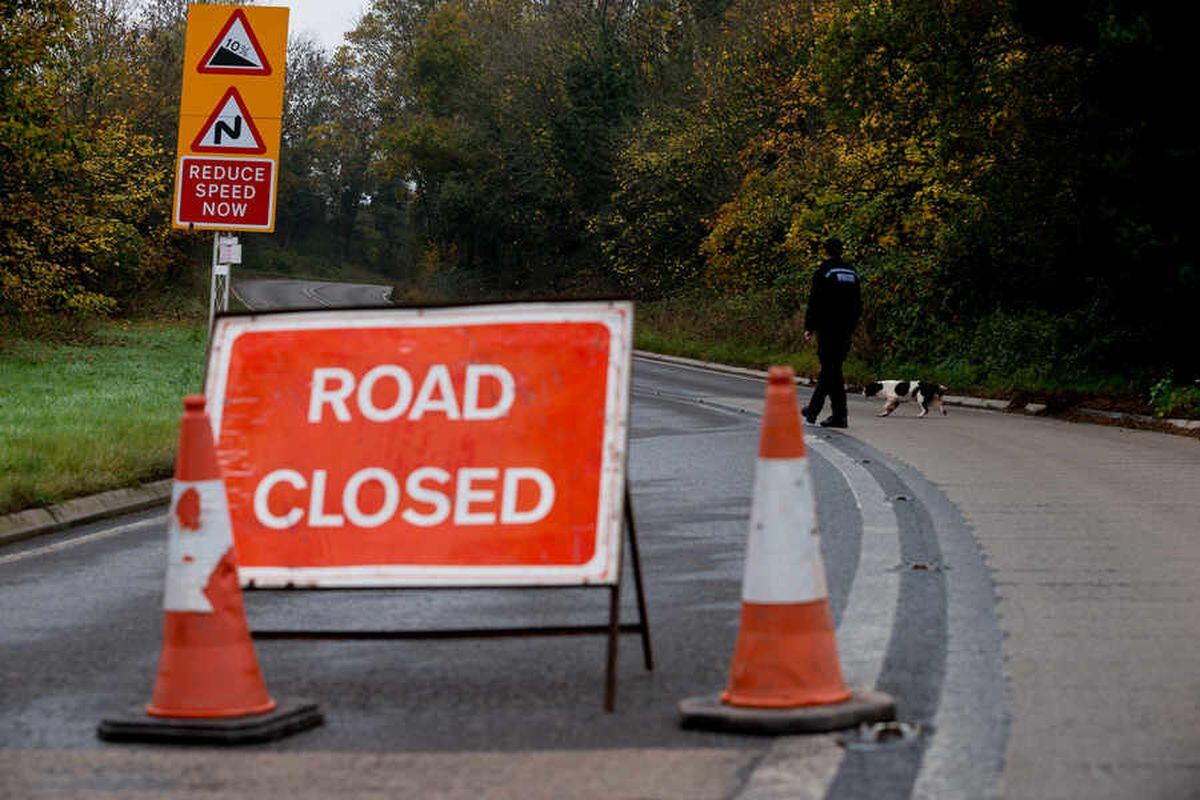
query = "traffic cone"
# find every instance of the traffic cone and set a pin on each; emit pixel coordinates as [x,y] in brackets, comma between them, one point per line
[209,687]
[786,676]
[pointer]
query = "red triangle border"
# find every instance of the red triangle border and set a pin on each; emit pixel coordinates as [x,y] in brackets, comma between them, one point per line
[212,118]
[262,56]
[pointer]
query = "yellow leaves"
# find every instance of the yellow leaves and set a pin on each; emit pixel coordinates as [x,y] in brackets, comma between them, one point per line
[63,242]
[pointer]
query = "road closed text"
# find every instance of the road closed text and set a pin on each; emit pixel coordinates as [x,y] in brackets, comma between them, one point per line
[426,496]
[430,496]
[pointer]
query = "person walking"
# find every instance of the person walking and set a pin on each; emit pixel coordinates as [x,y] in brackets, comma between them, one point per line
[834,306]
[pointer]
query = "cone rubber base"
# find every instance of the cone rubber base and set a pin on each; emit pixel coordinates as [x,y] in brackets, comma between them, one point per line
[709,713]
[289,716]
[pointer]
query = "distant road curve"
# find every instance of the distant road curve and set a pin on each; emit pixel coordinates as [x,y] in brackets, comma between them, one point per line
[263,293]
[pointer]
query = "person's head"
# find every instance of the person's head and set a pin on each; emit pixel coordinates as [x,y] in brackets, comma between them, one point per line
[833,247]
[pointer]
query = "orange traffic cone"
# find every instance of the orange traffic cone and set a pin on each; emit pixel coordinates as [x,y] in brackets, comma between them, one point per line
[207,667]
[209,686]
[786,677]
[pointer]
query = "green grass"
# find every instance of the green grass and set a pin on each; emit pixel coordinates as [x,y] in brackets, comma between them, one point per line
[77,418]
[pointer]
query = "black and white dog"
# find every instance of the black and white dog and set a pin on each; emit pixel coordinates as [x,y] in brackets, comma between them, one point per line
[897,392]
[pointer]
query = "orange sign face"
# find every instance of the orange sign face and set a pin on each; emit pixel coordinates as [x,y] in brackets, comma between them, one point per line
[480,445]
[230,118]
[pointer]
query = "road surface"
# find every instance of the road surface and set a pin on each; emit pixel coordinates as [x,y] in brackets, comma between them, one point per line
[1025,587]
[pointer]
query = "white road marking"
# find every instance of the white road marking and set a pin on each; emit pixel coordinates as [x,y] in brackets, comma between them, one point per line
[803,767]
[312,290]
[79,540]
[791,770]
[704,370]
[234,291]
[313,293]
[870,612]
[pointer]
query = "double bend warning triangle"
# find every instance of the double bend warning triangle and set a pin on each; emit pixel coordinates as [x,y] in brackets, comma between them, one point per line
[229,128]
[235,51]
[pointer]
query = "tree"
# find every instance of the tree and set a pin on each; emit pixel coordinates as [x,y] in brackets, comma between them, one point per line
[83,188]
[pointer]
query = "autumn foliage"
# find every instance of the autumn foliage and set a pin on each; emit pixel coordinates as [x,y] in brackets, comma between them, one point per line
[998,169]
[1009,175]
[84,170]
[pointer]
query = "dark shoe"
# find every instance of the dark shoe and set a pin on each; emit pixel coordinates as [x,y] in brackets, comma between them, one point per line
[811,419]
[830,422]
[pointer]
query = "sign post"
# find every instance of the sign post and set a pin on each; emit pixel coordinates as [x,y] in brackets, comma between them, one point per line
[230,120]
[469,447]
[226,253]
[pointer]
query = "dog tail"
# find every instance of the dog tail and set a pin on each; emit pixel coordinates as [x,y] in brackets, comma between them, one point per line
[942,388]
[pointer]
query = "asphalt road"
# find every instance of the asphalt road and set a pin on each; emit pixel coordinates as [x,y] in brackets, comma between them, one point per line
[1025,587]
[265,293]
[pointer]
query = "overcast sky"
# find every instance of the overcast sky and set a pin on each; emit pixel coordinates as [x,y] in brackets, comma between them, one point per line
[326,20]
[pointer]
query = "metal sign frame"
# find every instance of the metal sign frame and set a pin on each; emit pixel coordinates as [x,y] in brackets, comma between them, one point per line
[603,568]
[610,630]
[616,508]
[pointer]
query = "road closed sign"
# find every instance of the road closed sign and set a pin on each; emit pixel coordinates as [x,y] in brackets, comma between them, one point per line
[479,445]
[230,118]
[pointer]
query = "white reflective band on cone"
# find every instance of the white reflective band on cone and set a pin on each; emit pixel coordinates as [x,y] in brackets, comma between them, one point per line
[783,555]
[192,555]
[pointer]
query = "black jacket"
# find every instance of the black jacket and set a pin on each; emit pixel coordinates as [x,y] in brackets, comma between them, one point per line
[835,300]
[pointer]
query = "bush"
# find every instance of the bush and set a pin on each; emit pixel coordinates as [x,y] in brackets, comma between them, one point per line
[1172,400]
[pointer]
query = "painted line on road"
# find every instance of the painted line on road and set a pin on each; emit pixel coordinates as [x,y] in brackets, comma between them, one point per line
[915,664]
[870,612]
[80,540]
[966,757]
[233,290]
[742,374]
[806,767]
[869,617]
[313,293]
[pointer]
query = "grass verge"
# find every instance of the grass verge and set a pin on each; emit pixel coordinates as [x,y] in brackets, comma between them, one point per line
[736,333]
[97,414]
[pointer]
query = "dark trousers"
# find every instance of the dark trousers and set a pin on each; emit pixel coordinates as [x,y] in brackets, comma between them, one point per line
[832,351]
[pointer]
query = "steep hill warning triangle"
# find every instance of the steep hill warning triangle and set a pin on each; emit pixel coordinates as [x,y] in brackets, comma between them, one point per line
[235,51]
[229,129]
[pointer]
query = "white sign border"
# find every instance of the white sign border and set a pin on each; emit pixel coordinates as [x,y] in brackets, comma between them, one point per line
[603,569]
[222,226]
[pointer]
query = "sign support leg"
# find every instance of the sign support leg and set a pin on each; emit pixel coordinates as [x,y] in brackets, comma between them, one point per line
[614,629]
[614,612]
[639,586]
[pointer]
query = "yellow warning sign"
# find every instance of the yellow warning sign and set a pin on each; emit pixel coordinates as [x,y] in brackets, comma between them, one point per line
[230,117]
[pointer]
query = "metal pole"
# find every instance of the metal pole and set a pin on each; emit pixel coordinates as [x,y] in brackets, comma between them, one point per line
[218,299]
[212,288]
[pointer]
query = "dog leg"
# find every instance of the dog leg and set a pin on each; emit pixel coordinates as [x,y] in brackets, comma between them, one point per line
[941,406]
[924,409]
[889,407]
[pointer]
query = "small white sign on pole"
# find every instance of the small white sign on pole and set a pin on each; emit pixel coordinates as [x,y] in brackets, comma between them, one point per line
[230,251]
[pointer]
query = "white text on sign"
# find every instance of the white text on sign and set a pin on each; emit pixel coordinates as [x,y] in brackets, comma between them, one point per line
[332,388]
[469,497]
